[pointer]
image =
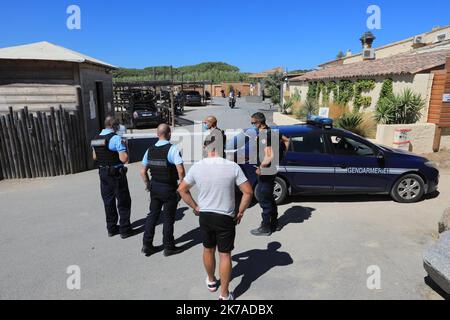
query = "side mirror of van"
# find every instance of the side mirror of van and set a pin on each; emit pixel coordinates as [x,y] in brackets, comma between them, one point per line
[380,156]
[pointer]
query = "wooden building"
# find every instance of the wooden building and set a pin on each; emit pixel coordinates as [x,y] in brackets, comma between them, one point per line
[41,76]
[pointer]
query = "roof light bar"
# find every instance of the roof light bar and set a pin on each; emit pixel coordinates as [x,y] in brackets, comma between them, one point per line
[326,123]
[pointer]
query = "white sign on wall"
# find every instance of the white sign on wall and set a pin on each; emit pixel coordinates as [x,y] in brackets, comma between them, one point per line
[92,105]
[446,97]
[324,112]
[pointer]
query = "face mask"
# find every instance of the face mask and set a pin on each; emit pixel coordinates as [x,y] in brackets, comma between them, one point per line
[205,127]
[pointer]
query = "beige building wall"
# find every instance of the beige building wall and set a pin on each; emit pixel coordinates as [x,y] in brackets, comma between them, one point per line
[419,83]
[421,136]
[401,46]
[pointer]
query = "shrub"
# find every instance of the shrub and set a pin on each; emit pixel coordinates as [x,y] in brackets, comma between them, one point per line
[287,105]
[273,85]
[310,107]
[362,124]
[405,108]
[368,127]
[350,121]
[337,110]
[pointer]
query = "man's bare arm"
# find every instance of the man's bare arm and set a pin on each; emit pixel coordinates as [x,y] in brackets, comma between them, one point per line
[286,142]
[123,156]
[268,157]
[94,156]
[181,172]
[247,196]
[144,175]
[184,191]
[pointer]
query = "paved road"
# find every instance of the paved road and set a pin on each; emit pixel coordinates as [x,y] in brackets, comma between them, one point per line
[236,118]
[323,251]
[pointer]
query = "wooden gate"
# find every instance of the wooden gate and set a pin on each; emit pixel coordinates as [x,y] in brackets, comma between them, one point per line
[437,90]
[439,111]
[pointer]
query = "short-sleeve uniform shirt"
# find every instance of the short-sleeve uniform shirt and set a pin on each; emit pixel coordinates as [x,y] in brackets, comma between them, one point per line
[174,155]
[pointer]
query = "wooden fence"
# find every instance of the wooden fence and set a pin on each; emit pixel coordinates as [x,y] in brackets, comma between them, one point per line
[41,144]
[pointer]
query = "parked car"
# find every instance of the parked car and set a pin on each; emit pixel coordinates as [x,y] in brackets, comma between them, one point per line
[322,159]
[146,116]
[192,98]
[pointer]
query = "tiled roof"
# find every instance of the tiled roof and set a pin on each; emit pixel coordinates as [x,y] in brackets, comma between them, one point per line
[405,63]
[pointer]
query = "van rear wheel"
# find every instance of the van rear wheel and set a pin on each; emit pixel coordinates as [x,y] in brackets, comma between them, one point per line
[408,189]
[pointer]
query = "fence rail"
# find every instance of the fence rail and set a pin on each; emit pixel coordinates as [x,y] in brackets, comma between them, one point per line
[41,144]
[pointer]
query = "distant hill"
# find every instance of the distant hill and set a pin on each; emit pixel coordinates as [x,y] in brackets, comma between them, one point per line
[216,72]
[299,71]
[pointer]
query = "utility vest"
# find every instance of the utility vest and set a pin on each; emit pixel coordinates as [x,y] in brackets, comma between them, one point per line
[105,157]
[161,169]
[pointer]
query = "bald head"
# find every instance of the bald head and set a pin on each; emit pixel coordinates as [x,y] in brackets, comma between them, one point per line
[211,121]
[163,131]
[112,123]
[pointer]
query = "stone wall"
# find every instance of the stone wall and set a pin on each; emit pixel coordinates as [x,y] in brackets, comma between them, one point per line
[421,136]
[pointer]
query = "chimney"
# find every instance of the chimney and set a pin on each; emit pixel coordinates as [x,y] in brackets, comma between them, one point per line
[349,53]
[367,39]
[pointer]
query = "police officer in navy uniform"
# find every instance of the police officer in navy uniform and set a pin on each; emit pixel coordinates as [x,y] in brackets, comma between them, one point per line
[165,164]
[110,153]
[266,180]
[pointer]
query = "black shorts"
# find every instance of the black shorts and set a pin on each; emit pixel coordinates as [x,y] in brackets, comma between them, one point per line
[218,230]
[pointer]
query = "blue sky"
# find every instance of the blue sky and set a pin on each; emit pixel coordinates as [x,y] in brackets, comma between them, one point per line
[253,35]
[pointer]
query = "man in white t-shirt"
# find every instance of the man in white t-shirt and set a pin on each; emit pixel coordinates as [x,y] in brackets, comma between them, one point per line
[217,178]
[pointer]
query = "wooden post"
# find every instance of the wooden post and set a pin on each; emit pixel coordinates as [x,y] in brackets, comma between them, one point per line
[76,142]
[67,139]
[13,145]
[40,147]
[50,155]
[172,108]
[3,156]
[43,143]
[32,160]
[24,154]
[7,148]
[54,150]
[62,141]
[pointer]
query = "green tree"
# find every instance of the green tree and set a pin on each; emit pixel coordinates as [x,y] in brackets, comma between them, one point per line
[273,85]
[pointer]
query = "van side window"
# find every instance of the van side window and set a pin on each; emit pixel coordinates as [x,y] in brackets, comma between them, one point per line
[346,146]
[307,143]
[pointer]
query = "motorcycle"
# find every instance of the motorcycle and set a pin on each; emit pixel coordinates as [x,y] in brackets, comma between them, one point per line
[232,102]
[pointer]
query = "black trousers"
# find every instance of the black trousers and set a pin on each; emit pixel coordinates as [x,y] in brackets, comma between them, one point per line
[267,202]
[163,198]
[116,198]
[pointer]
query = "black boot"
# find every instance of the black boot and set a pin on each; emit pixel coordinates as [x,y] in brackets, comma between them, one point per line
[262,231]
[113,232]
[276,226]
[149,250]
[172,251]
